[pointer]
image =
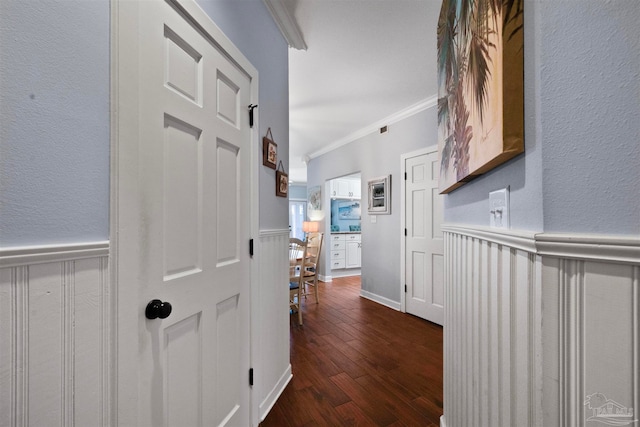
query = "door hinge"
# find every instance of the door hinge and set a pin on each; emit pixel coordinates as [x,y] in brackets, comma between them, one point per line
[251,376]
[251,107]
[250,247]
[405,288]
[405,231]
[405,176]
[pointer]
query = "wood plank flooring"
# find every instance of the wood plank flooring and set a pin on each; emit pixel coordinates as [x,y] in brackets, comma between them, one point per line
[358,363]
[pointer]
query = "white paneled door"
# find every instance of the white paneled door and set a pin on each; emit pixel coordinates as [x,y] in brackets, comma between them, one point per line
[193,224]
[424,247]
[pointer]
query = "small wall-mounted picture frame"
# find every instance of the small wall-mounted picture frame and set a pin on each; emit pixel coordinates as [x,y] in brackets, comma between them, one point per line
[380,195]
[282,182]
[269,151]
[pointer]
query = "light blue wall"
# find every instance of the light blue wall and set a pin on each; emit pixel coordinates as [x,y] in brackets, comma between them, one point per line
[54,112]
[469,204]
[298,192]
[590,116]
[54,122]
[373,156]
[250,27]
[581,168]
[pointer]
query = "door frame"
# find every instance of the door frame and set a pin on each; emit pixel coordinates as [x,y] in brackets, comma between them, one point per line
[123,265]
[403,211]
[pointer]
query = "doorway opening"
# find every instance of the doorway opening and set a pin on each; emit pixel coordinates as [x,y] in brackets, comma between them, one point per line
[344,218]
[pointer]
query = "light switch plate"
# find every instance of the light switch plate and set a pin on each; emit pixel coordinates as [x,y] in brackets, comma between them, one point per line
[374,218]
[499,208]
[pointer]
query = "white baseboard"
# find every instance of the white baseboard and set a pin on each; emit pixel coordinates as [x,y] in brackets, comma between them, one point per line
[443,422]
[380,300]
[325,278]
[274,394]
[346,272]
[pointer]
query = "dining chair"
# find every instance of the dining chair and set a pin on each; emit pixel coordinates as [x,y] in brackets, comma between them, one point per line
[314,249]
[297,266]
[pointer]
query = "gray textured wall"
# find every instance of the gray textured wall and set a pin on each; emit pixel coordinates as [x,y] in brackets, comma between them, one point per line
[376,155]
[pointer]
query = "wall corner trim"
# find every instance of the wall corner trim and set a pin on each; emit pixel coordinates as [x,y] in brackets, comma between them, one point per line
[12,257]
[610,248]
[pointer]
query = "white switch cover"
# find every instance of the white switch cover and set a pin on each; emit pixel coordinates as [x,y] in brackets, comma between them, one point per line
[499,208]
[374,218]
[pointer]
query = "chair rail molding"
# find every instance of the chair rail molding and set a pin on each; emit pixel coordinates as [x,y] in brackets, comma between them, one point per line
[611,248]
[536,323]
[29,255]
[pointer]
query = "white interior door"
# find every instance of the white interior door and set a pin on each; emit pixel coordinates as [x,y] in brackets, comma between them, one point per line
[424,248]
[193,224]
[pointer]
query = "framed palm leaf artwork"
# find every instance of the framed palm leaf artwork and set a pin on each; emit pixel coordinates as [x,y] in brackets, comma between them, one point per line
[480,87]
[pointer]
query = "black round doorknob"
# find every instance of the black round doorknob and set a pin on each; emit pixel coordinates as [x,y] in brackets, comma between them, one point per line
[157,309]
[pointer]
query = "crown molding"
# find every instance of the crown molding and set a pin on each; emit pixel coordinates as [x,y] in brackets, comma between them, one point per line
[286,23]
[394,118]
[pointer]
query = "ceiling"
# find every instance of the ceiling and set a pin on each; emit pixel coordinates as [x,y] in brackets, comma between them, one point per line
[366,61]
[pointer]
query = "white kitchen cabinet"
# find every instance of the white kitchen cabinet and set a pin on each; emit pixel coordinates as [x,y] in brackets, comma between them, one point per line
[345,250]
[356,189]
[353,251]
[337,251]
[345,188]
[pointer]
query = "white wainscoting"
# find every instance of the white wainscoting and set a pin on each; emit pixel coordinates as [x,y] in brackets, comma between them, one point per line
[56,324]
[272,363]
[537,323]
[591,340]
[491,333]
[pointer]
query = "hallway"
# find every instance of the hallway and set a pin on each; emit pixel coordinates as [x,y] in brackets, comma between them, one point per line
[356,362]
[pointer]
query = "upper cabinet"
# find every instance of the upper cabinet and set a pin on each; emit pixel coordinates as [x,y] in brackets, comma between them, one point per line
[345,188]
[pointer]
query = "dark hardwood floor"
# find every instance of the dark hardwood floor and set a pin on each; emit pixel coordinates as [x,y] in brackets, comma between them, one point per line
[358,363]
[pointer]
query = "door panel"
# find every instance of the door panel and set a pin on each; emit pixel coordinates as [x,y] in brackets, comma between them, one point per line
[227,171]
[182,178]
[183,387]
[194,171]
[424,241]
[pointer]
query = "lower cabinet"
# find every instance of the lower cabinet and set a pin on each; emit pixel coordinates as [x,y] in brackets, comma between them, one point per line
[352,254]
[346,250]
